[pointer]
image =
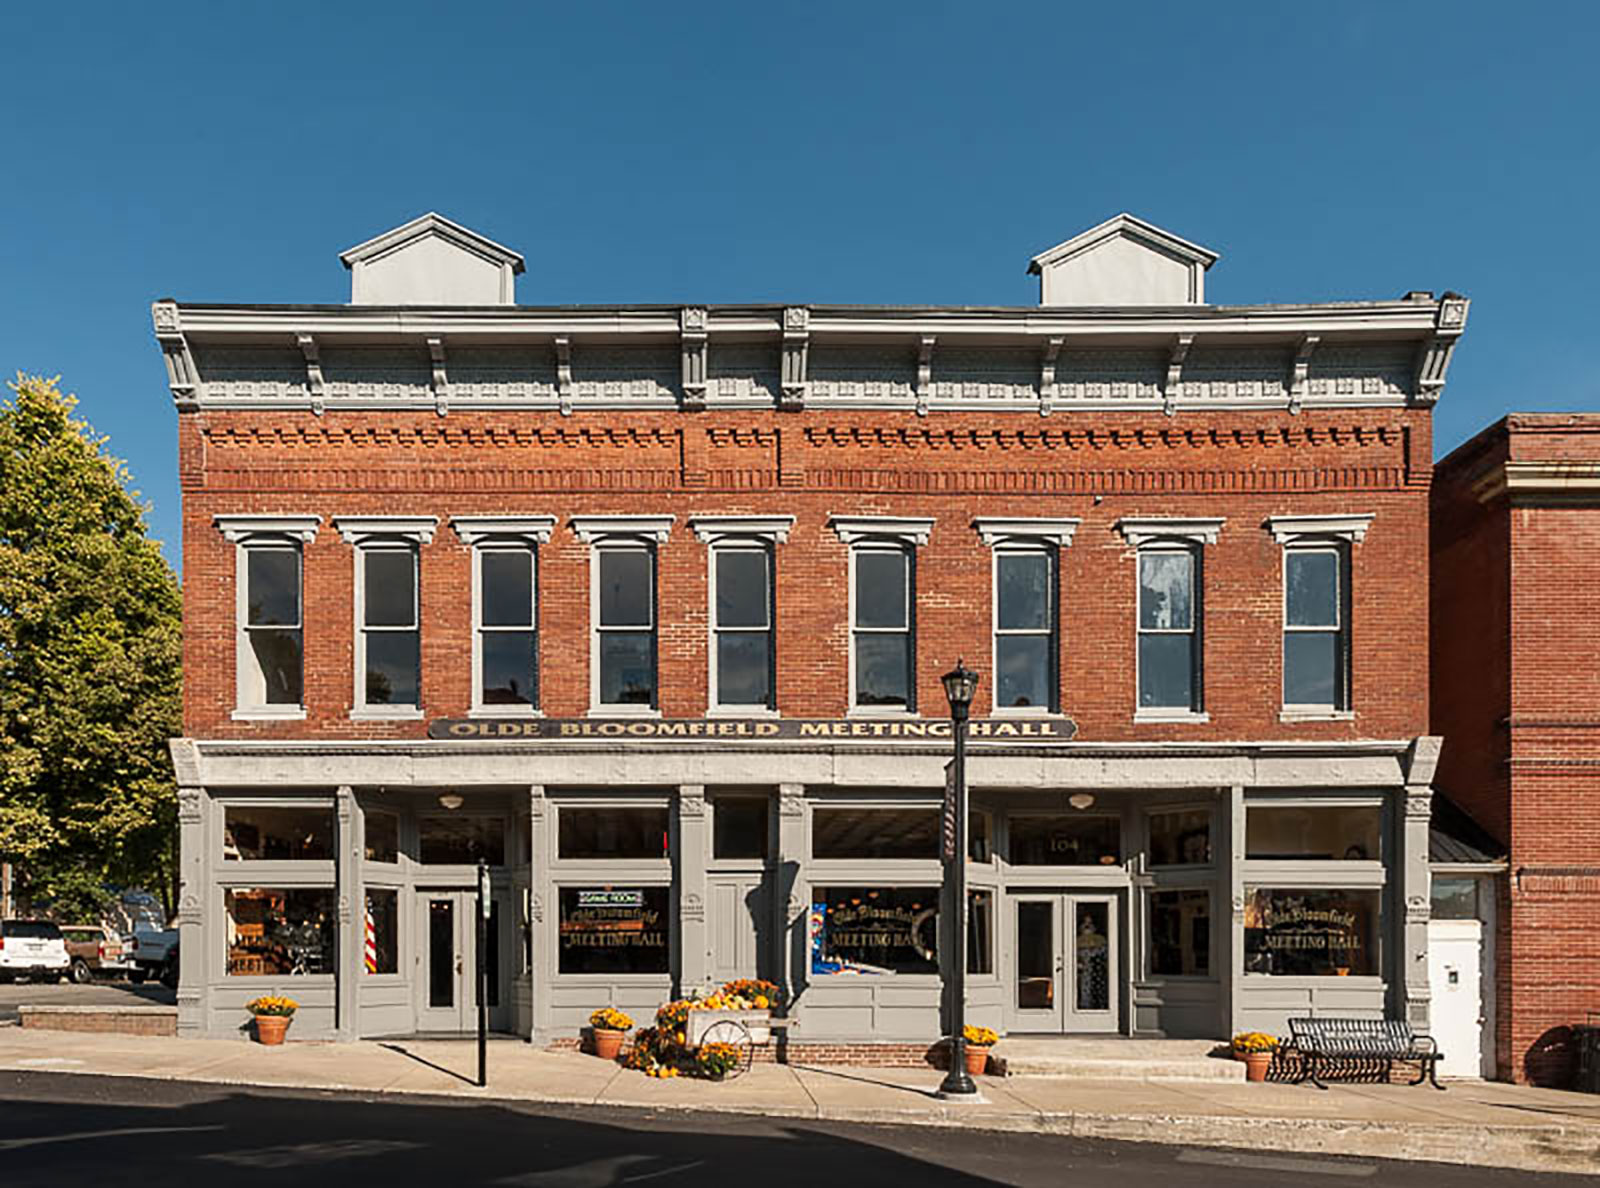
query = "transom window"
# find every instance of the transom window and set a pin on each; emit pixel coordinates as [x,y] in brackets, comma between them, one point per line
[1024,629]
[741,609]
[507,635]
[1315,640]
[390,639]
[625,624]
[1169,636]
[883,627]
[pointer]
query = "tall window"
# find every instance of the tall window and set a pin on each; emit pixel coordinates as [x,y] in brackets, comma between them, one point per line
[507,630]
[625,624]
[390,639]
[741,609]
[1169,635]
[883,627]
[1315,630]
[1024,629]
[273,655]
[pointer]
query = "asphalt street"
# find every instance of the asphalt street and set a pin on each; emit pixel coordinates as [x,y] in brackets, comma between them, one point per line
[57,1129]
[97,993]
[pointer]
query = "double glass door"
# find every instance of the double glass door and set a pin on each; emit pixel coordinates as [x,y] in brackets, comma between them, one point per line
[1066,977]
[447,998]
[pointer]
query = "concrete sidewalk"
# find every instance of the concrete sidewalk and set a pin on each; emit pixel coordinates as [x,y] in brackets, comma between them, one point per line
[1472,1123]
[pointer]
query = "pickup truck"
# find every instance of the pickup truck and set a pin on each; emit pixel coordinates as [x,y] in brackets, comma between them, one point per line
[154,953]
[94,949]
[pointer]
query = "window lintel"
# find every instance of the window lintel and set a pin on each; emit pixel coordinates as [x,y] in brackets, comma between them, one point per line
[1288,530]
[590,529]
[1143,530]
[853,529]
[239,528]
[358,530]
[711,529]
[473,529]
[995,530]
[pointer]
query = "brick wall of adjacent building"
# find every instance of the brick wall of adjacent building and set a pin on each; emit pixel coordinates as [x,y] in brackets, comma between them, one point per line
[1099,466]
[1516,694]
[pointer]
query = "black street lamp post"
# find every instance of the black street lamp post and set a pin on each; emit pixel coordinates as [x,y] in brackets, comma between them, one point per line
[960,683]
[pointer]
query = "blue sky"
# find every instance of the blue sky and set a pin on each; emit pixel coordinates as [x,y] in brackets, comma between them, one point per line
[865,152]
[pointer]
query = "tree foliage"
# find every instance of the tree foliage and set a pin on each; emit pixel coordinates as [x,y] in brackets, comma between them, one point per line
[89,661]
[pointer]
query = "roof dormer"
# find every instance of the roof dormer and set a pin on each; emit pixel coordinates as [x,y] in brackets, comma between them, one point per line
[432,261]
[1123,261]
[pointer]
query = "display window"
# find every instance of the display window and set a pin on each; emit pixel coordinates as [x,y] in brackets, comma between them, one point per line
[1181,837]
[461,841]
[874,931]
[1313,832]
[611,833]
[279,932]
[1180,933]
[1295,932]
[382,837]
[875,833]
[980,932]
[614,930]
[381,931]
[271,833]
[1077,839]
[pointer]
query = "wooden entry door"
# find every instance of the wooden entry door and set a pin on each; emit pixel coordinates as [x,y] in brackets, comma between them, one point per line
[738,924]
[446,963]
[1066,965]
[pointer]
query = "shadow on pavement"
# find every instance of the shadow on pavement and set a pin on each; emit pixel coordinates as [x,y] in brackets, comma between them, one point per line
[449,1072]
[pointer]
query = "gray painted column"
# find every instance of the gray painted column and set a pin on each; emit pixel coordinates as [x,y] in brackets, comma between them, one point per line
[1413,891]
[693,854]
[541,901]
[788,905]
[195,899]
[352,914]
[1230,856]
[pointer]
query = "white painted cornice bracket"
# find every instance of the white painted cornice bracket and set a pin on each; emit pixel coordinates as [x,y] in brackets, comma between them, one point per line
[852,529]
[441,378]
[472,530]
[694,339]
[1433,356]
[995,530]
[796,356]
[1143,530]
[182,375]
[238,528]
[1175,357]
[709,529]
[314,382]
[1300,371]
[592,528]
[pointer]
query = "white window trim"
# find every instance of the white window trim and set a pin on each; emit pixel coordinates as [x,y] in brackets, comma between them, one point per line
[1142,530]
[711,529]
[1172,713]
[595,529]
[906,550]
[1026,546]
[473,530]
[484,543]
[994,530]
[357,529]
[1311,711]
[238,528]
[602,542]
[360,709]
[1289,530]
[858,529]
[739,543]
[248,709]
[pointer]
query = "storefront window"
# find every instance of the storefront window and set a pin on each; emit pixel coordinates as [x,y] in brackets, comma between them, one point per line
[614,930]
[1311,933]
[1076,840]
[875,833]
[739,827]
[461,841]
[381,953]
[874,930]
[978,849]
[1455,899]
[383,837]
[1317,832]
[586,833]
[261,833]
[1181,838]
[1180,933]
[980,932]
[279,932]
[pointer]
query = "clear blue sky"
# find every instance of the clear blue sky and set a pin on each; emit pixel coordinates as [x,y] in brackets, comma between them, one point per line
[822,152]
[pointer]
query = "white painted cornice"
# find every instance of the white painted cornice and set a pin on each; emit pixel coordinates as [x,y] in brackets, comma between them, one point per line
[712,528]
[1289,529]
[236,528]
[993,530]
[1534,480]
[852,529]
[1143,530]
[356,529]
[472,529]
[592,528]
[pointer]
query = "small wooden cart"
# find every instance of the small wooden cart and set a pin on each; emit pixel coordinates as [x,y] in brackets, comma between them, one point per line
[742,1030]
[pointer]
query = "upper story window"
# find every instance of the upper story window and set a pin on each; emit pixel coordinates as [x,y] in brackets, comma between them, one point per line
[388,649]
[270,651]
[505,609]
[743,644]
[623,653]
[882,609]
[1026,614]
[1170,615]
[1316,610]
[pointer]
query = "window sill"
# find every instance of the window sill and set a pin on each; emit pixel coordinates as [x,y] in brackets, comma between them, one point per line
[882,713]
[503,711]
[1295,713]
[1171,715]
[288,713]
[642,712]
[743,711]
[386,713]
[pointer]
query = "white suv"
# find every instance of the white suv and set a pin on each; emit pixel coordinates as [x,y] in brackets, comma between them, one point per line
[32,948]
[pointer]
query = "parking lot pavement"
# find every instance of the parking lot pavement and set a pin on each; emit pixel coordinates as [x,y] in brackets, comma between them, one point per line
[97,993]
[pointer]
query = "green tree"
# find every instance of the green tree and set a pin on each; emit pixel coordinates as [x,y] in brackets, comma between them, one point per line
[90,634]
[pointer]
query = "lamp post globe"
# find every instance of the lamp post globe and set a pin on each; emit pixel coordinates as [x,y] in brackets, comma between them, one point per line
[960,683]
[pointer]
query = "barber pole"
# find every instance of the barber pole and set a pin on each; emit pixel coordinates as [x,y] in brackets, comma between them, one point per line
[371,943]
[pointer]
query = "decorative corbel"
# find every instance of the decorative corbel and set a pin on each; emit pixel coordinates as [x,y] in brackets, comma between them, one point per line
[182,376]
[924,373]
[1047,373]
[441,381]
[796,352]
[1179,352]
[563,349]
[1300,375]
[692,332]
[314,382]
[1433,355]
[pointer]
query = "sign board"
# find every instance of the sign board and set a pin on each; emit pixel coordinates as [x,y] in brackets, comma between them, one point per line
[755,730]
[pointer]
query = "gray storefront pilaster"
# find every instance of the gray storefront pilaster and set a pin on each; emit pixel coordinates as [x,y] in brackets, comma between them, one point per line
[350,951]
[1231,959]
[541,905]
[1413,895]
[693,852]
[195,891]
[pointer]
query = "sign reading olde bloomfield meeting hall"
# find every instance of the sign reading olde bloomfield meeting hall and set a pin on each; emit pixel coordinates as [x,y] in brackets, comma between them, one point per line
[1009,730]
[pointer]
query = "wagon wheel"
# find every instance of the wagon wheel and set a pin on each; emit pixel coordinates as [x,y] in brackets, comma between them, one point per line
[734,1032]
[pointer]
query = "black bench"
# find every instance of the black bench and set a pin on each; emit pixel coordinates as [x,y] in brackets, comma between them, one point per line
[1334,1046]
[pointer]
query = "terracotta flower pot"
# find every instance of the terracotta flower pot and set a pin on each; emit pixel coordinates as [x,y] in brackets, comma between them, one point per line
[270,1029]
[607,1043]
[1256,1065]
[977,1059]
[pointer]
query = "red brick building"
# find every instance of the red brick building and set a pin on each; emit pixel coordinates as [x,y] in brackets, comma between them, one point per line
[647,606]
[1516,695]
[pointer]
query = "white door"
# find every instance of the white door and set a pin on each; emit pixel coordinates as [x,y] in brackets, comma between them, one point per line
[736,927]
[1065,950]
[1455,976]
[446,962]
